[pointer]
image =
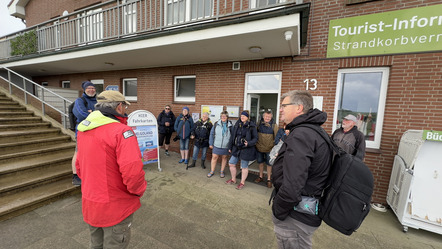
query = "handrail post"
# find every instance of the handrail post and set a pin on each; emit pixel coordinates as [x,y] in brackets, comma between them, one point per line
[64,116]
[25,91]
[43,101]
[9,82]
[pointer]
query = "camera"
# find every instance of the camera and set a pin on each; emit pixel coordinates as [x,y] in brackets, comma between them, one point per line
[176,138]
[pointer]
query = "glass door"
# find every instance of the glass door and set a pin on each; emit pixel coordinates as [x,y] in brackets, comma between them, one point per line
[253,107]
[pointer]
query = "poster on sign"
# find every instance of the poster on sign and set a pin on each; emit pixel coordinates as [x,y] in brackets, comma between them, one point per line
[144,124]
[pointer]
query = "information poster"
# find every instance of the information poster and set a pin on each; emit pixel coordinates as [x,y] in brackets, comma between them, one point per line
[144,124]
[213,110]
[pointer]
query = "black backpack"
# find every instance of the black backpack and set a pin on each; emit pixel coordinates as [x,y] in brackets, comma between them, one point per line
[72,117]
[345,201]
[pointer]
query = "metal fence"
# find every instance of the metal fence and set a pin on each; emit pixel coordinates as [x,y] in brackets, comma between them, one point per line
[119,19]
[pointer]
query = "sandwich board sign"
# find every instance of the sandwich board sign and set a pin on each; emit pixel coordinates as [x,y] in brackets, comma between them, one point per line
[145,126]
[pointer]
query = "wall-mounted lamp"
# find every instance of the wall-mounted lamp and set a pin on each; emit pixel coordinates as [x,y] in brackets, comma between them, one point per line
[109,63]
[288,35]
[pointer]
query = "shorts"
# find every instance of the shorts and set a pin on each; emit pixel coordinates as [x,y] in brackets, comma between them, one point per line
[161,137]
[263,157]
[184,144]
[234,160]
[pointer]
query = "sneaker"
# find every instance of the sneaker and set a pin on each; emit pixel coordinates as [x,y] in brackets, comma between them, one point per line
[181,161]
[167,153]
[76,181]
[230,182]
[186,161]
[240,186]
[258,180]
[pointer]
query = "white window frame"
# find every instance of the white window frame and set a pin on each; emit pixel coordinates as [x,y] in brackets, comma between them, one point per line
[182,99]
[90,27]
[187,12]
[381,105]
[63,82]
[278,91]
[98,82]
[130,98]
[129,17]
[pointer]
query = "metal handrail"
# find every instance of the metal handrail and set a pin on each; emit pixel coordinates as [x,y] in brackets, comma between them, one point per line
[66,102]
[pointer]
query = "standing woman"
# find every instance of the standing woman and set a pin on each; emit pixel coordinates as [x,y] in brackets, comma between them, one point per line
[219,143]
[183,127]
[201,136]
[242,146]
[166,122]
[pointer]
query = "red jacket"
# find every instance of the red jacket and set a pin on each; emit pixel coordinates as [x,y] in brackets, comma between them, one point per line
[111,171]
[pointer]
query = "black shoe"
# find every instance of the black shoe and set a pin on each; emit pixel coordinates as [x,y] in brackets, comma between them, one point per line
[76,181]
[202,164]
[192,164]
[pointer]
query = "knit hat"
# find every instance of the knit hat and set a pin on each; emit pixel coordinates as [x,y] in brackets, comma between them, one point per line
[351,118]
[245,113]
[111,96]
[186,108]
[85,84]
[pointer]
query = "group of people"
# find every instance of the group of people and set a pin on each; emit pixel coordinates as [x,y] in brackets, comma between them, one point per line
[110,170]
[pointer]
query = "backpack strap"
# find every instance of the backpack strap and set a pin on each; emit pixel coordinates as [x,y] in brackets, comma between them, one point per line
[84,101]
[324,135]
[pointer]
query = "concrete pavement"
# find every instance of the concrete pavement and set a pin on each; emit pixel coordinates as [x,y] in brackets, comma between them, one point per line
[185,209]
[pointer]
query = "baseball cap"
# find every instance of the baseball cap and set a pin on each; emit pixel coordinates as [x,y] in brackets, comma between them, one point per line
[351,118]
[111,96]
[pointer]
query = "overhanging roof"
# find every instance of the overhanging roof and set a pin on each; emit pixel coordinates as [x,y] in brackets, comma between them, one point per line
[210,42]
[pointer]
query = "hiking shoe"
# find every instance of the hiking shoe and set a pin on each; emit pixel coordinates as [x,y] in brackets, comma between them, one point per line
[76,181]
[269,184]
[258,180]
[181,161]
[167,153]
[240,186]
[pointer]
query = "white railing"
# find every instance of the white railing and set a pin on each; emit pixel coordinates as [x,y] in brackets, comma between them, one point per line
[124,18]
[46,97]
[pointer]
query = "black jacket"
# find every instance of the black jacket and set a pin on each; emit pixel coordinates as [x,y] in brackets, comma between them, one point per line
[202,133]
[352,141]
[301,168]
[162,119]
[241,132]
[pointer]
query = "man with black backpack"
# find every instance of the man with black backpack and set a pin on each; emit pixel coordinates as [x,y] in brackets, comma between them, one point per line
[81,109]
[300,172]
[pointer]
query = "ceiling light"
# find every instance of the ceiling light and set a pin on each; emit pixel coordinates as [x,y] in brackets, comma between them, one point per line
[255,49]
[288,35]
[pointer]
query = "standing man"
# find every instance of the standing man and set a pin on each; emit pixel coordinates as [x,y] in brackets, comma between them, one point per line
[349,138]
[267,130]
[110,167]
[300,169]
[166,122]
[82,107]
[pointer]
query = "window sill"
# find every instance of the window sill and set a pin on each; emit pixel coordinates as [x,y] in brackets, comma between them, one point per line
[373,151]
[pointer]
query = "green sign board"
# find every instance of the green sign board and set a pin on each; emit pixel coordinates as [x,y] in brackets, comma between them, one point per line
[432,135]
[401,31]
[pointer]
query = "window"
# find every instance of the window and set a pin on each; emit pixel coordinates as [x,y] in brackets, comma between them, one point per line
[185,88]
[129,17]
[130,89]
[44,83]
[99,85]
[179,11]
[65,84]
[362,92]
[90,25]
[349,2]
[264,3]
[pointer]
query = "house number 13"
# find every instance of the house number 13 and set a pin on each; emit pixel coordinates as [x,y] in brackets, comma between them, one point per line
[309,82]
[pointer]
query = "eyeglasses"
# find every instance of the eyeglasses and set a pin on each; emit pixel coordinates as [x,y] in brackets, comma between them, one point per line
[285,105]
[167,108]
[124,105]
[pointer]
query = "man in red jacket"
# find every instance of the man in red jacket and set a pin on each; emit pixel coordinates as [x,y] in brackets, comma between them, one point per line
[110,167]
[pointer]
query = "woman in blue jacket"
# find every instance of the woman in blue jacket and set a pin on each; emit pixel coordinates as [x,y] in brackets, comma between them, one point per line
[183,128]
[219,143]
[242,146]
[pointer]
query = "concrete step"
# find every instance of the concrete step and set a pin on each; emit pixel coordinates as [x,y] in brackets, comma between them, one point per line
[12,108]
[30,164]
[5,114]
[8,103]
[22,202]
[17,136]
[19,127]
[36,153]
[30,144]
[19,120]
[10,184]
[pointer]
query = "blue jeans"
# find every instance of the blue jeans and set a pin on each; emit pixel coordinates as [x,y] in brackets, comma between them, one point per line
[184,144]
[196,150]
[234,160]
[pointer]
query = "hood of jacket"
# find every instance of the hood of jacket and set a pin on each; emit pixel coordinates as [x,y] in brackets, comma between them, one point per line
[101,117]
[313,116]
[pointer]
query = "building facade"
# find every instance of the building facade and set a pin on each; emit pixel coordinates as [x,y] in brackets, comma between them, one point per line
[379,60]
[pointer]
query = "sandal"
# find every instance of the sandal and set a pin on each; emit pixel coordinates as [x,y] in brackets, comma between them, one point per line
[230,182]
[240,186]
[221,174]
[211,173]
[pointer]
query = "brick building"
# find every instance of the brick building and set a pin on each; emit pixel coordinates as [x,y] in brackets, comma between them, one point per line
[380,60]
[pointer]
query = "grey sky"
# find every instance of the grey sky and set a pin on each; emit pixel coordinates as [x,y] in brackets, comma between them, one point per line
[8,23]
